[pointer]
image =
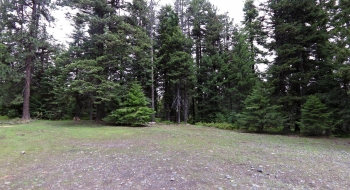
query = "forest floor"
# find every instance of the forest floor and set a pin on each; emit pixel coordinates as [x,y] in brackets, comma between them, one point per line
[88,155]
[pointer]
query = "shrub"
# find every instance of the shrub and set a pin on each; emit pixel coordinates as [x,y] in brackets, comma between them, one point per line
[12,113]
[158,120]
[226,126]
[167,122]
[4,118]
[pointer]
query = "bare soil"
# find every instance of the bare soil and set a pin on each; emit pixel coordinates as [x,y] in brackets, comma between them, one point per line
[177,157]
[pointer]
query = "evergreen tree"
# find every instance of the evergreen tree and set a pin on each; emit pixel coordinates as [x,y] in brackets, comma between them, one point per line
[239,78]
[339,101]
[115,53]
[210,32]
[302,65]
[141,68]
[180,7]
[175,64]
[63,100]
[253,27]
[23,26]
[259,112]
[134,110]
[10,100]
[315,117]
[210,108]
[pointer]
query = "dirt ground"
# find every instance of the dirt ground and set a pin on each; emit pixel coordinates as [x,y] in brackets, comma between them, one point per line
[179,157]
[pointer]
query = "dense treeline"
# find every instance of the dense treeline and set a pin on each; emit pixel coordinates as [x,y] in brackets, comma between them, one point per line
[191,63]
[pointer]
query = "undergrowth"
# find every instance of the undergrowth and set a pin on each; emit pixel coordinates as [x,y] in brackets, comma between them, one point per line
[225,126]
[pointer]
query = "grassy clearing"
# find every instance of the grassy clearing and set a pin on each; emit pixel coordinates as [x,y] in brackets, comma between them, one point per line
[88,155]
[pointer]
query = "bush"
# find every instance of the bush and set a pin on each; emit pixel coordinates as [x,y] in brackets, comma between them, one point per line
[167,122]
[12,113]
[158,120]
[4,118]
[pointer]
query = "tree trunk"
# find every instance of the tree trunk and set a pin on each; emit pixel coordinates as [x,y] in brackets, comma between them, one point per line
[26,98]
[91,102]
[77,106]
[178,105]
[29,62]
[194,109]
[167,112]
[100,112]
[185,114]
[296,128]
[152,74]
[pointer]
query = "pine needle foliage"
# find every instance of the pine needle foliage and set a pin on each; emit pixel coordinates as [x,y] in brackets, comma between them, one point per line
[133,110]
[315,118]
[259,112]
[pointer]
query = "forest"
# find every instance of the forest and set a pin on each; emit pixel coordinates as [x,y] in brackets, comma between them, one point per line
[136,61]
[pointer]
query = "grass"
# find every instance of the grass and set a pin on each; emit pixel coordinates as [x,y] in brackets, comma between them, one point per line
[89,155]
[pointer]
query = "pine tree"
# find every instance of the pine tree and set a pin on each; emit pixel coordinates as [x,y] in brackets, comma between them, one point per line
[239,78]
[114,54]
[10,100]
[210,84]
[210,32]
[23,26]
[339,99]
[302,65]
[254,29]
[180,8]
[175,64]
[259,112]
[141,68]
[134,110]
[315,117]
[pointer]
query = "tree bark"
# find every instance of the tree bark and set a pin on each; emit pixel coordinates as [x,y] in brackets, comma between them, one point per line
[178,105]
[77,106]
[100,111]
[29,61]
[152,74]
[194,109]
[185,114]
[91,102]
[26,98]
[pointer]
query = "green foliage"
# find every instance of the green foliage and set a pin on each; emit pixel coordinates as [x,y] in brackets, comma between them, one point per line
[315,117]
[111,53]
[209,84]
[259,112]
[224,81]
[158,120]
[303,64]
[253,27]
[204,69]
[4,118]
[23,29]
[134,110]
[166,122]
[174,64]
[12,113]
[338,100]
